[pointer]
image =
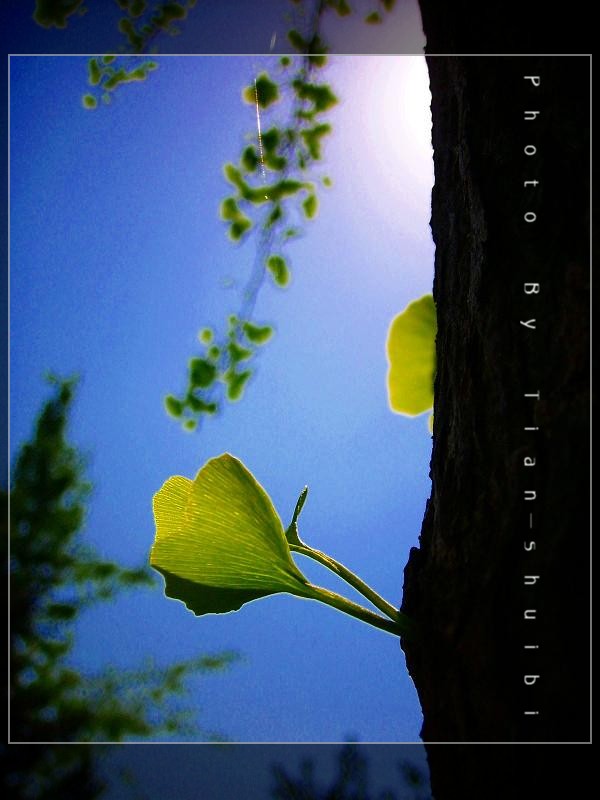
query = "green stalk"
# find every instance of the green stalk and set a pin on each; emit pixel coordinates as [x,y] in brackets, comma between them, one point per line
[344,573]
[354,610]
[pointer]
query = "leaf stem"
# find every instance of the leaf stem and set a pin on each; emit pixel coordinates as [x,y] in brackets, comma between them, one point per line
[400,628]
[344,573]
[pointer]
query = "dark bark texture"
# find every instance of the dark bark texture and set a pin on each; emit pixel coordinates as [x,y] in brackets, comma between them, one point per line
[464,584]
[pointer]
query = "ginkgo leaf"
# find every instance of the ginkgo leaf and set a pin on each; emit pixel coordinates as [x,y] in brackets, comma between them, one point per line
[411,355]
[219,541]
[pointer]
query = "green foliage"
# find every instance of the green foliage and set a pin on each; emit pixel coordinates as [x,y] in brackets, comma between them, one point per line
[220,544]
[341,7]
[53,576]
[238,353]
[257,334]
[202,373]
[249,159]
[312,139]
[279,270]
[411,355]
[95,73]
[143,23]
[173,405]
[263,91]
[319,95]
[268,188]
[239,223]
[217,366]
[236,383]
[310,206]
[106,78]
[229,547]
[313,47]
[373,18]
[54,13]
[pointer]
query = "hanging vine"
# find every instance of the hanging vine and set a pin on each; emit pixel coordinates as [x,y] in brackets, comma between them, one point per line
[274,193]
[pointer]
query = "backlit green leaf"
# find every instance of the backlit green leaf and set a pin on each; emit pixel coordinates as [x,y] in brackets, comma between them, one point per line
[279,270]
[238,228]
[219,541]
[94,72]
[238,353]
[342,7]
[249,159]
[263,91]
[89,101]
[310,206]
[199,406]
[257,334]
[173,405]
[202,372]
[275,215]
[236,383]
[312,138]
[297,41]
[270,139]
[319,94]
[411,356]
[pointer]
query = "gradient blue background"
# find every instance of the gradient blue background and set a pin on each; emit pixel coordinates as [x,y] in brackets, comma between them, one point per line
[118,258]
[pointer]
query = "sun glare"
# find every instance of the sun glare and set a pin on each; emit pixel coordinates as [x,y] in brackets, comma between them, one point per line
[401,114]
[385,113]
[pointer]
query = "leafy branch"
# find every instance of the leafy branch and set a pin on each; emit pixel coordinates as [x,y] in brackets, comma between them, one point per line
[272,188]
[53,577]
[142,21]
[274,194]
[105,75]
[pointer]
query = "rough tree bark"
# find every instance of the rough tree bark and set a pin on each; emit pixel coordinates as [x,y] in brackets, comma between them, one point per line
[465,583]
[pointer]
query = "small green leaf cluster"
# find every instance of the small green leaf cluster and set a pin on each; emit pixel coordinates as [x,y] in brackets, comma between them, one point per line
[220,370]
[343,8]
[106,74]
[142,24]
[270,172]
[270,189]
[376,17]
[144,21]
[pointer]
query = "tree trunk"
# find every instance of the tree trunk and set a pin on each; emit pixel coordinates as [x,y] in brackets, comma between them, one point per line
[465,584]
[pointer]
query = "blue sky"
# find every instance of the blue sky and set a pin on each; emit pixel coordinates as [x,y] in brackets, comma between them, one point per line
[118,257]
